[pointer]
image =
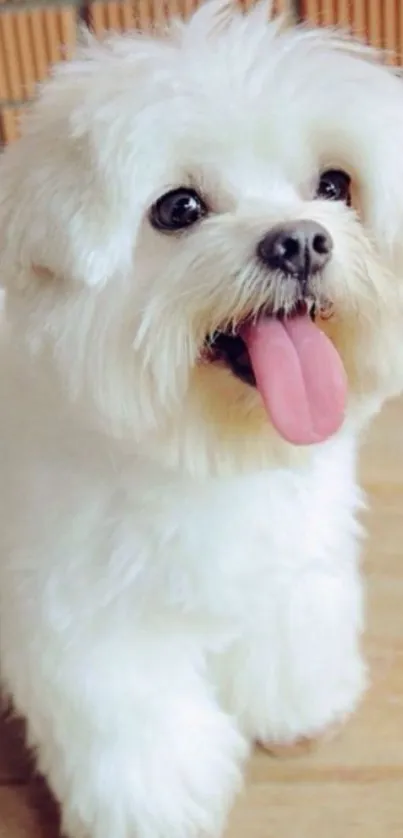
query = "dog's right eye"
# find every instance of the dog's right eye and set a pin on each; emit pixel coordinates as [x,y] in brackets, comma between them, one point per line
[177,210]
[334,185]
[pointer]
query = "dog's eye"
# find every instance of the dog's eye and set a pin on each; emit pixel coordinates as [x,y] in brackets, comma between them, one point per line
[177,210]
[334,185]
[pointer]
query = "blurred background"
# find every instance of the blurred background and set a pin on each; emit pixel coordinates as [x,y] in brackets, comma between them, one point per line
[35,34]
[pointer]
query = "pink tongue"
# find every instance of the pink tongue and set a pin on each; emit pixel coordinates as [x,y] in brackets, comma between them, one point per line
[300,377]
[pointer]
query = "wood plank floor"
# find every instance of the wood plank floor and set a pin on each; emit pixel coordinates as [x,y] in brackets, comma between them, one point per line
[351,787]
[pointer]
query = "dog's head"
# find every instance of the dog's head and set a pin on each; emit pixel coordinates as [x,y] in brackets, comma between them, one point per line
[180,210]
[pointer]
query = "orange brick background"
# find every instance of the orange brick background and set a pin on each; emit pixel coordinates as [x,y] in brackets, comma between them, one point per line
[37,33]
[378,21]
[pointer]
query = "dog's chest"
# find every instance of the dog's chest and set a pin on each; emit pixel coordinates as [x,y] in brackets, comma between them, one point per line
[285,520]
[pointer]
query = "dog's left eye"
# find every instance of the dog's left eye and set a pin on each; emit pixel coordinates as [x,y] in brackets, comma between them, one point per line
[177,210]
[334,185]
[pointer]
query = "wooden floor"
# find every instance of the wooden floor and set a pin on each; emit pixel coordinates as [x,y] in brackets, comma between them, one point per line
[352,787]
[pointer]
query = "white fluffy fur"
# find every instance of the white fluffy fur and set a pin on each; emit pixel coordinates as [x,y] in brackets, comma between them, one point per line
[176,581]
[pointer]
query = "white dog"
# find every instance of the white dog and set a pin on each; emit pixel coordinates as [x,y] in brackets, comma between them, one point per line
[202,251]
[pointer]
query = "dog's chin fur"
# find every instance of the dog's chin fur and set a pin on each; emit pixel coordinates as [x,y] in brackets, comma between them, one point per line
[175,579]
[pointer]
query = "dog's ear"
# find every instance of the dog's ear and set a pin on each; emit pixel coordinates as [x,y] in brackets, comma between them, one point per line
[71,188]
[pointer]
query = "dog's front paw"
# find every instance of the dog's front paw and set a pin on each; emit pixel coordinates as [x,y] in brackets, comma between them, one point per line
[303,717]
[300,674]
[177,778]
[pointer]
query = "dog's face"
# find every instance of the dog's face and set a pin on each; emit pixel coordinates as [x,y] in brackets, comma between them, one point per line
[192,206]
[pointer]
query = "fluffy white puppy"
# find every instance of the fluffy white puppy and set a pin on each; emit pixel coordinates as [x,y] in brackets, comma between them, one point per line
[202,251]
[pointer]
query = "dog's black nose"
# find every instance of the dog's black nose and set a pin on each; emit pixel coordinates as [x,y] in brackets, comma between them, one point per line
[299,248]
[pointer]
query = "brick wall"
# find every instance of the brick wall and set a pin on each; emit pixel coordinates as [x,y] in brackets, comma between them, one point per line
[37,33]
[378,21]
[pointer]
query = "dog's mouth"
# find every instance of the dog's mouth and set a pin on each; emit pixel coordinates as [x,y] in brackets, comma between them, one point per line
[229,347]
[295,367]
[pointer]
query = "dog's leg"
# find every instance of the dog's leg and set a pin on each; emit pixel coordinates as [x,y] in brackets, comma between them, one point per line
[298,671]
[135,745]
